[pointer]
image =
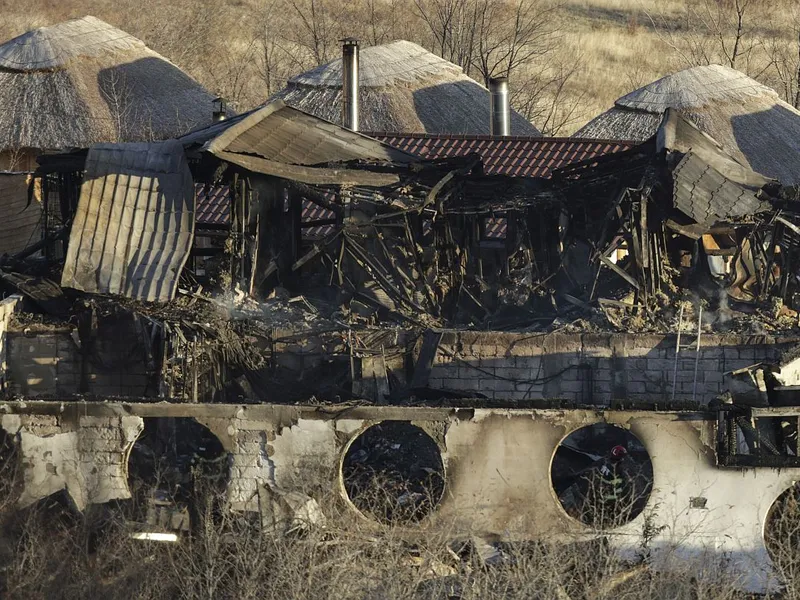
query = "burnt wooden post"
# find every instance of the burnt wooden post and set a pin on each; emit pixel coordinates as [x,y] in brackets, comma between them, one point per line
[266,214]
[46,219]
[295,224]
[235,227]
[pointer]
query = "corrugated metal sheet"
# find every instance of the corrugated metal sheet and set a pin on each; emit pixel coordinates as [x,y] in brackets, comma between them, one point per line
[283,134]
[515,156]
[20,225]
[520,156]
[134,226]
[308,174]
[707,196]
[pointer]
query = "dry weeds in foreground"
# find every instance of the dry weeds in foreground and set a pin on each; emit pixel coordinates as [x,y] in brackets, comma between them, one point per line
[51,552]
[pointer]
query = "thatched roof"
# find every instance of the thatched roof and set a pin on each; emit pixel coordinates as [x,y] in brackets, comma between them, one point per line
[746,118]
[403,88]
[83,81]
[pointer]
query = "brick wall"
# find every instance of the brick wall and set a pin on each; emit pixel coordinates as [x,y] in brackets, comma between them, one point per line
[595,368]
[48,364]
[86,456]
[249,444]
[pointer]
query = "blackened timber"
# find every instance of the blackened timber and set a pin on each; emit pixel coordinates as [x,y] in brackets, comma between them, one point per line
[315,250]
[316,196]
[61,234]
[382,278]
[619,271]
[427,354]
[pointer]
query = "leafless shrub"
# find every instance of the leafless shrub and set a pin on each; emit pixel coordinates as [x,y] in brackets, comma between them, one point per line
[59,553]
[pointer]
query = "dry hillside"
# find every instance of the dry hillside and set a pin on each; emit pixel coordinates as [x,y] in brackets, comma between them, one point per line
[567,61]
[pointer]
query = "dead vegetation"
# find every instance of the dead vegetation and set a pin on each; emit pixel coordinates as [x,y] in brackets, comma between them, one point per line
[567,61]
[51,551]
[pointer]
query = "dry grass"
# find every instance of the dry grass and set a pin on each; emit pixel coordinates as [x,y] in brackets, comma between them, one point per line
[618,46]
[51,552]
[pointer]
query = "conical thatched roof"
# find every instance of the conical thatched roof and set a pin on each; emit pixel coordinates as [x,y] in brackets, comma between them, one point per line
[747,118]
[83,81]
[404,88]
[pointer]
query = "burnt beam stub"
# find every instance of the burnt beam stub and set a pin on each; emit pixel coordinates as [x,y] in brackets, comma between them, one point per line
[602,475]
[393,472]
[751,437]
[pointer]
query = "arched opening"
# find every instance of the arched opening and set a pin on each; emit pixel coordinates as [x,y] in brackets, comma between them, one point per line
[177,471]
[782,534]
[393,472]
[602,475]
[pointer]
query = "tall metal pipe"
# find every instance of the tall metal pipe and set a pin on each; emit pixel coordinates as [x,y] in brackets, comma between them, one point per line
[500,108]
[350,83]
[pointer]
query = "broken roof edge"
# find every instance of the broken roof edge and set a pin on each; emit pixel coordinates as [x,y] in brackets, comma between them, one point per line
[310,174]
[223,140]
[493,138]
[668,137]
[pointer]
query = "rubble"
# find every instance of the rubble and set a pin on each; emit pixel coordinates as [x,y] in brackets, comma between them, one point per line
[671,235]
[421,318]
[602,476]
[617,243]
[394,473]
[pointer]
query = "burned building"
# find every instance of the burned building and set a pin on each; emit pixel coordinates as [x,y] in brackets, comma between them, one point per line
[484,341]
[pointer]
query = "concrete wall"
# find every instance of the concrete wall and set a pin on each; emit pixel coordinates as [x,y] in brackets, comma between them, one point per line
[49,363]
[86,456]
[497,464]
[595,368]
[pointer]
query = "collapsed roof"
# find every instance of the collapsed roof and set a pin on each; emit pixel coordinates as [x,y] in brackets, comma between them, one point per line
[654,238]
[617,238]
[83,81]
[402,88]
[748,119]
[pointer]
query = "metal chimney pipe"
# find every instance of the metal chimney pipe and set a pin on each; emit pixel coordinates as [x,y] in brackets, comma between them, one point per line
[350,83]
[499,106]
[220,110]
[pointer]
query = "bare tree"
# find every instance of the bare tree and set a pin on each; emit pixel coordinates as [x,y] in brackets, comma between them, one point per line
[784,57]
[453,25]
[381,20]
[270,57]
[715,31]
[512,35]
[317,27]
[518,39]
[231,74]
[546,96]
[490,38]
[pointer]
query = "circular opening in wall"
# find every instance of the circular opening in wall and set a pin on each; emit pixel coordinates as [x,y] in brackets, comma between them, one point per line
[393,472]
[782,532]
[602,475]
[177,469]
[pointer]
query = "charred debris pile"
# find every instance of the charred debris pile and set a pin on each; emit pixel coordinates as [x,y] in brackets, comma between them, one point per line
[347,246]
